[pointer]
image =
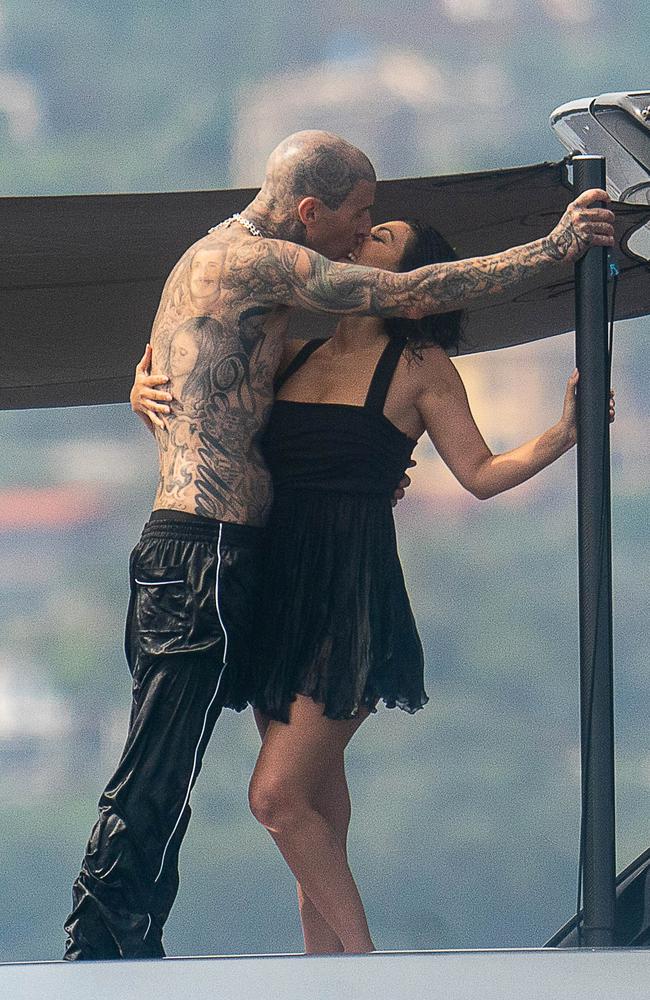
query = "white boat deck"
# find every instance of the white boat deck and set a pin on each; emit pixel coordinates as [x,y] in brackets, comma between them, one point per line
[526,974]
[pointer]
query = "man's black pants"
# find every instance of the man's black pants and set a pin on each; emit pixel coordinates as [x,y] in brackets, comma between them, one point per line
[194,588]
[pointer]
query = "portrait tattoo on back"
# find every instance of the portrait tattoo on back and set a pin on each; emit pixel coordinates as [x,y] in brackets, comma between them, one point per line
[221,384]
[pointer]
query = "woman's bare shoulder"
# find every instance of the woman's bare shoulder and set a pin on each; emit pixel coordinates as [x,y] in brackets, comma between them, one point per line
[429,365]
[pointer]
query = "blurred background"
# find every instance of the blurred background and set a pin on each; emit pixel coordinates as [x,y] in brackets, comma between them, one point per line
[466,816]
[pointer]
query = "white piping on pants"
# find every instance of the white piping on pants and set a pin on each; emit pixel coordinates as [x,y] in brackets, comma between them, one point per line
[205,718]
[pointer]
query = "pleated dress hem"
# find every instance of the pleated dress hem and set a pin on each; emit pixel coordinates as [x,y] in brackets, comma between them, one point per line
[371,703]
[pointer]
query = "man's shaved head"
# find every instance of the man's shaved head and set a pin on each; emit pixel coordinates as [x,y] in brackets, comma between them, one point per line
[318,191]
[316,164]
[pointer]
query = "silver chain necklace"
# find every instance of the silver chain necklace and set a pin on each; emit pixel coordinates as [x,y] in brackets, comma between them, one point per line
[246,223]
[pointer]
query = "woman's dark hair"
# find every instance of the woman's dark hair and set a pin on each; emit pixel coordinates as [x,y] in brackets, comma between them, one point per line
[426,246]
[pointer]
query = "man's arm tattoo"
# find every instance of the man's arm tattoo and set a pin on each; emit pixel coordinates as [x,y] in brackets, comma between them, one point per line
[299,277]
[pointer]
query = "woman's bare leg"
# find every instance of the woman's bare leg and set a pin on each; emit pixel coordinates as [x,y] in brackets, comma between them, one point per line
[334,804]
[297,761]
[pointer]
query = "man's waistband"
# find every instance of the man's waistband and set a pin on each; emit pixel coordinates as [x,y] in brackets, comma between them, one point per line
[165,523]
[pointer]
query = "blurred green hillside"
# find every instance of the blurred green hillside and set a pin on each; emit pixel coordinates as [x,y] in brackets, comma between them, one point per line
[144,97]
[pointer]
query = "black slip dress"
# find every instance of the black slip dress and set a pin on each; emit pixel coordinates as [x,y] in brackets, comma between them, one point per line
[336,623]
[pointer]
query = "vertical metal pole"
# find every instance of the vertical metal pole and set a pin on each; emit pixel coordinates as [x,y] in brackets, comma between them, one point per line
[595,581]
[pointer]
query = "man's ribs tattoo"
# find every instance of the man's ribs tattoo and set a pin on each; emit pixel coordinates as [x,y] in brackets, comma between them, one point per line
[221,384]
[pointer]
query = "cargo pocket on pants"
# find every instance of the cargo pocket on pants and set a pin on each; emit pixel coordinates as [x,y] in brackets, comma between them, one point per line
[161,608]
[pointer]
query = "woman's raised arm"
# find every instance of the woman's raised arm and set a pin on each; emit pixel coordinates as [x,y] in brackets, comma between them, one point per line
[444,408]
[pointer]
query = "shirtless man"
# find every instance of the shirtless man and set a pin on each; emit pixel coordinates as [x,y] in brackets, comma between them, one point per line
[219,334]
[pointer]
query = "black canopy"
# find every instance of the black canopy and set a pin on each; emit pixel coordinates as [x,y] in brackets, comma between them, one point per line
[80,276]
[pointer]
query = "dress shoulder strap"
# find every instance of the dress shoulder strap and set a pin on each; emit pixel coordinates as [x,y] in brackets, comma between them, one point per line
[383,376]
[298,360]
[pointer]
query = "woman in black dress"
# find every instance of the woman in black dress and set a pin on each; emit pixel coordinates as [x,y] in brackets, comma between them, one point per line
[337,633]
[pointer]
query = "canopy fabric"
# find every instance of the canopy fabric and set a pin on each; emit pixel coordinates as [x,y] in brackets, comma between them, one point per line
[81,275]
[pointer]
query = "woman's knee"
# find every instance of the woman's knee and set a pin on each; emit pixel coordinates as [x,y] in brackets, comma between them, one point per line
[275,804]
